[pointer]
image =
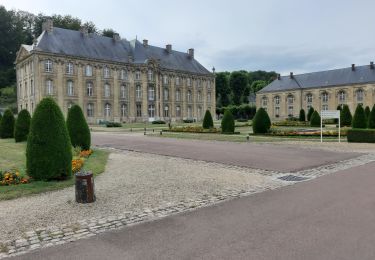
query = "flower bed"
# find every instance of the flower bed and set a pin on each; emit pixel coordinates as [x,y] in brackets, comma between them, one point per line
[12,177]
[192,129]
[290,123]
[305,132]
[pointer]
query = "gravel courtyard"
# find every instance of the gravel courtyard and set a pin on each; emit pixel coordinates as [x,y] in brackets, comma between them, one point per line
[132,182]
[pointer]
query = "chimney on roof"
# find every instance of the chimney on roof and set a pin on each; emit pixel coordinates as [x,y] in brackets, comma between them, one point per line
[168,47]
[371,65]
[291,75]
[116,37]
[191,53]
[84,31]
[145,42]
[35,43]
[353,67]
[48,25]
[278,76]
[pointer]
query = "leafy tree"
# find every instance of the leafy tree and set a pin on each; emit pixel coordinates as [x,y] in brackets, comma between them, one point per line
[222,87]
[359,118]
[258,85]
[315,119]
[261,75]
[48,151]
[207,120]
[78,129]
[302,116]
[91,27]
[345,116]
[108,32]
[371,118]
[238,82]
[261,122]
[227,123]
[309,113]
[7,125]
[22,126]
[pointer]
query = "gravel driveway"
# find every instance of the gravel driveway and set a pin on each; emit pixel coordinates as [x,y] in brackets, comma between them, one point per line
[132,181]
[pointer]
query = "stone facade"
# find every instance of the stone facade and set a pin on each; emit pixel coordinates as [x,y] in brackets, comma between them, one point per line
[283,103]
[109,90]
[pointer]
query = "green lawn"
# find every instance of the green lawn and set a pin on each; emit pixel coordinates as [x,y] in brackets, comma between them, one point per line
[12,155]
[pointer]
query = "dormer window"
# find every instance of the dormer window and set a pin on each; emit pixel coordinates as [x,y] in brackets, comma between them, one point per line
[48,66]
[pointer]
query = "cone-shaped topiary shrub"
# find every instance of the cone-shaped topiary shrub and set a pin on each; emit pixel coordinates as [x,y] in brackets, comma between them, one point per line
[1,116]
[78,129]
[7,125]
[227,123]
[261,122]
[302,116]
[345,116]
[371,119]
[359,118]
[309,113]
[22,127]
[48,151]
[367,112]
[207,120]
[315,119]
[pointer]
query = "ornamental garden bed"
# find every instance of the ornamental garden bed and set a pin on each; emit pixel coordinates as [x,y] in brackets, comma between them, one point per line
[305,132]
[193,129]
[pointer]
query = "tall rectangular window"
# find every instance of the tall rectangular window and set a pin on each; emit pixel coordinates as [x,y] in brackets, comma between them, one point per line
[137,75]
[138,92]
[106,72]
[124,74]
[139,110]
[48,66]
[88,70]
[90,110]
[49,87]
[70,88]
[151,93]
[69,68]
[90,89]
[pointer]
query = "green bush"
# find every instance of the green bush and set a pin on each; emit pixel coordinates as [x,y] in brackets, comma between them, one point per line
[188,121]
[345,116]
[1,116]
[79,131]
[309,113]
[361,135]
[315,119]
[261,122]
[227,123]
[302,116]
[113,124]
[207,120]
[359,119]
[49,150]
[7,125]
[158,122]
[367,112]
[371,119]
[22,126]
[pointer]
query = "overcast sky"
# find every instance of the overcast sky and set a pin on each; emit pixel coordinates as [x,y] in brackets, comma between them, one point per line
[279,35]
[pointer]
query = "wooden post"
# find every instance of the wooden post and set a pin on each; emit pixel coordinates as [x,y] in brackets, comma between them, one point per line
[85,192]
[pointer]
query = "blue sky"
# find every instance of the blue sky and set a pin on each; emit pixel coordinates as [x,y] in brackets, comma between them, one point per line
[280,35]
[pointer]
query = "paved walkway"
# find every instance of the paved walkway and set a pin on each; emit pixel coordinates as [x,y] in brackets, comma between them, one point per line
[331,217]
[259,156]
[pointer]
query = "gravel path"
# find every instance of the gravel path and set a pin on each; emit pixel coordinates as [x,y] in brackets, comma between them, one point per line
[132,181]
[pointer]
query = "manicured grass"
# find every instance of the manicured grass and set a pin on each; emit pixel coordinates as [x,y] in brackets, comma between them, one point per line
[12,155]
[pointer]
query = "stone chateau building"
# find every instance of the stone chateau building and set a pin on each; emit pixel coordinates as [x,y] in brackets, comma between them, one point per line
[112,79]
[324,90]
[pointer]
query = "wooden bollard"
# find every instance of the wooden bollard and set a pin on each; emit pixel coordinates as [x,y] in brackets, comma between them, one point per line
[85,188]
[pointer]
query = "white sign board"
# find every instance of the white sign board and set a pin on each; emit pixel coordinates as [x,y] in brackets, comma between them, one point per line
[326,114]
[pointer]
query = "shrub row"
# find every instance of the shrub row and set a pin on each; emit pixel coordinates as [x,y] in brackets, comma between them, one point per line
[158,122]
[361,135]
[113,124]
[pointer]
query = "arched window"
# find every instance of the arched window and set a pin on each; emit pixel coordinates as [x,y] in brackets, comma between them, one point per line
[151,93]
[107,90]
[138,92]
[124,92]
[150,75]
[88,70]
[90,110]
[70,88]
[48,66]
[359,95]
[124,110]
[49,87]
[166,111]
[107,110]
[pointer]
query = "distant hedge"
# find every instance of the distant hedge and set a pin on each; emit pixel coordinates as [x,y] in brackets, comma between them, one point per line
[361,135]
[239,112]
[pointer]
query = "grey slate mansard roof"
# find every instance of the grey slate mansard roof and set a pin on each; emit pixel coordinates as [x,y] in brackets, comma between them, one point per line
[330,78]
[73,43]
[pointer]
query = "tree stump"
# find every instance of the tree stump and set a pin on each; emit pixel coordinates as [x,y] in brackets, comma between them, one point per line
[85,187]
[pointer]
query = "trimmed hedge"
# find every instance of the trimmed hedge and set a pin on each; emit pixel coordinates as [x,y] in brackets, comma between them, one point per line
[315,119]
[22,126]
[359,119]
[371,119]
[188,121]
[49,150]
[78,129]
[302,116]
[309,113]
[207,120]
[113,124]
[361,135]
[158,122]
[7,125]
[261,122]
[345,116]
[227,123]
